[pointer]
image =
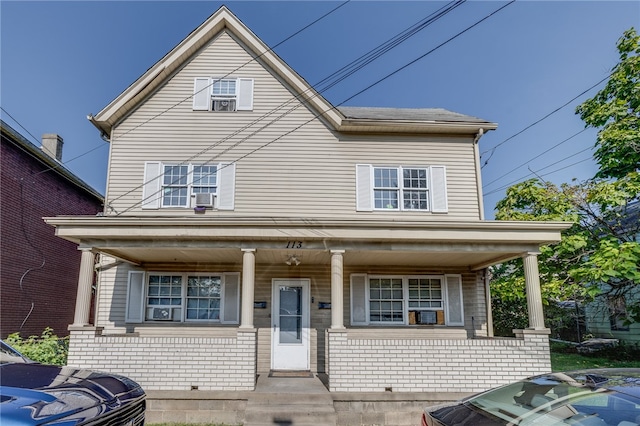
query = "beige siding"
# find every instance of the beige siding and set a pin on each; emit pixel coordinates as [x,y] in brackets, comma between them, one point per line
[295,167]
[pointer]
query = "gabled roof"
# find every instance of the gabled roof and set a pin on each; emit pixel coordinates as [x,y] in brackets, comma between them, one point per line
[347,119]
[11,135]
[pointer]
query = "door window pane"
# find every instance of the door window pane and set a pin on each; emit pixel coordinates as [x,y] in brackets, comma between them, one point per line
[290,314]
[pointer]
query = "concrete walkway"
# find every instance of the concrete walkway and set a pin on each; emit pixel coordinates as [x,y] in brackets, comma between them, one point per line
[292,401]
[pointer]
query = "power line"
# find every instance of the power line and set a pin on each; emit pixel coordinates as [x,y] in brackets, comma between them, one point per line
[358,93]
[536,157]
[546,167]
[339,75]
[57,166]
[493,150]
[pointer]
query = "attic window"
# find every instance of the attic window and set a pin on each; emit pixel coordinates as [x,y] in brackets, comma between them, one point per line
[223,94]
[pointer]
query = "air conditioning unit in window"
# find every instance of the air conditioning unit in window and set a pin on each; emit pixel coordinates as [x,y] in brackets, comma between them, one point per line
[427,317]
[162,314]
[224,104]
[204,200]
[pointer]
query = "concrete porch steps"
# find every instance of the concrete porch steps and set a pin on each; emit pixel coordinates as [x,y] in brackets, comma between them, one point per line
[294,401]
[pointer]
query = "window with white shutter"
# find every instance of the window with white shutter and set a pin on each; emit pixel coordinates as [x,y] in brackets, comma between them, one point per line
[223,94]
[173,185]
[401,188]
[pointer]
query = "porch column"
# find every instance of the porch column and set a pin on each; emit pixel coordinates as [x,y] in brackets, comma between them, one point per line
[534,296]
[337,286]
[248,285]
[83,295]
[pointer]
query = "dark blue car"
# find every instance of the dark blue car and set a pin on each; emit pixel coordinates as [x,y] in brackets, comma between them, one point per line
[36,394]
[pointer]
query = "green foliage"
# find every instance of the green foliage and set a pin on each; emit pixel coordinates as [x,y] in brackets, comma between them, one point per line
[46,348]
[599,255]
[616,110]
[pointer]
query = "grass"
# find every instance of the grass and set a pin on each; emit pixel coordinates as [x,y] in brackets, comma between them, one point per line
[565,358]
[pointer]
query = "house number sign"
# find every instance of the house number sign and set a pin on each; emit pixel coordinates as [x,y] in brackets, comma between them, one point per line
[294,244]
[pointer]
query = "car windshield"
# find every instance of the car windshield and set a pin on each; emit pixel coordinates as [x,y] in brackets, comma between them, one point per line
[10,355]
[558,399]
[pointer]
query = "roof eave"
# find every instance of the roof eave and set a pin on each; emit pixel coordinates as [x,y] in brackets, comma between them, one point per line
[385,126]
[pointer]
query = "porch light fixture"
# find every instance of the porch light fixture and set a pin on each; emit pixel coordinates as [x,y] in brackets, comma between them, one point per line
[292,260]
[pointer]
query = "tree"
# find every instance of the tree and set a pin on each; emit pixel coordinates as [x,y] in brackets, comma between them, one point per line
[616,110]
[599,256]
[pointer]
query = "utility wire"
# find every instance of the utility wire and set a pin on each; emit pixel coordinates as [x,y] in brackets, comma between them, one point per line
[358,93]
[340,75]
[60,164]
[536,157]
[493,150]
[544,168]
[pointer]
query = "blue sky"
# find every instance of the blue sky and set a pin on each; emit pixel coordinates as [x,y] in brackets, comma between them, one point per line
[60,61]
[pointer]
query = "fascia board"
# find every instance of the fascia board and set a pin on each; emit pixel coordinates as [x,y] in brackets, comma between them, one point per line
[434,127]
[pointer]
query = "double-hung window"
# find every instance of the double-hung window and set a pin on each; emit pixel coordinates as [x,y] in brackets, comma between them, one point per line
[168,185]
[401,188]
[388,300]
[183,297]
[224,94]
[179,182]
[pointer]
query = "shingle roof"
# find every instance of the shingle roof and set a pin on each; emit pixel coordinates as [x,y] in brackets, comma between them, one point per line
[408,114]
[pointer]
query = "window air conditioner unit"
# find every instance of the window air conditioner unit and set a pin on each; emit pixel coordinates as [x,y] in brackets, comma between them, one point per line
[224,104]
[162,314]
[427,317]
[205,199]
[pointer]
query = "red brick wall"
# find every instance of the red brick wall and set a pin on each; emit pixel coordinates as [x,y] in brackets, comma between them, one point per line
[29,249]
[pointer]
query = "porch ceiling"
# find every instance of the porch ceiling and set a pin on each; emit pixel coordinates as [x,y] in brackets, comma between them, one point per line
[467,245]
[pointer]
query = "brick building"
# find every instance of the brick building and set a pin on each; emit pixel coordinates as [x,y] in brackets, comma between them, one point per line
[38,271]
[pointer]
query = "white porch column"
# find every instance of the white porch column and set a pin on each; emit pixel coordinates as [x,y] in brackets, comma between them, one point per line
[534,296]
[83,295]
[248,285]
[337,287]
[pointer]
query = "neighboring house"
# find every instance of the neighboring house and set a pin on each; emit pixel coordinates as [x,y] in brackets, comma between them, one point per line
[38,271]
[347,241]
[607,318]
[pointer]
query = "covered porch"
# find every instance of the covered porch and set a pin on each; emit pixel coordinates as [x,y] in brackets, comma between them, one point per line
[326,255]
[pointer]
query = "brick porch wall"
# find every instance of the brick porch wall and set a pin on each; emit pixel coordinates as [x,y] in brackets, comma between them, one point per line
[169,363]
[433,365]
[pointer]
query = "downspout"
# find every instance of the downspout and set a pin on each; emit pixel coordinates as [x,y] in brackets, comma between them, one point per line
[476,154]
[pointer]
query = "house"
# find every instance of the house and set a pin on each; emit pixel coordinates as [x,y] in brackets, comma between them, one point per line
[250,226]
[607,316]
[35,264]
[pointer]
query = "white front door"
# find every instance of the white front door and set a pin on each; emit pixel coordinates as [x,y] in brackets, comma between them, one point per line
[290,324]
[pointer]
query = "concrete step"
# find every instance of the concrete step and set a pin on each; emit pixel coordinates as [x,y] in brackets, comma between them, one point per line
[293,414]
[262,399]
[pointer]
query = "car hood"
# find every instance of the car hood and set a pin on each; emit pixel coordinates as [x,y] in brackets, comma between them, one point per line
[37,394]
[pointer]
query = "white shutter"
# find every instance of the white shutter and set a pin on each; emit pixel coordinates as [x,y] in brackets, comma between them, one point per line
[151,194]
[231,299]
[364,202]
[359,299]
[201,94]
[245,94]
[226,186]
[135,297]
[454,312]
[438,189]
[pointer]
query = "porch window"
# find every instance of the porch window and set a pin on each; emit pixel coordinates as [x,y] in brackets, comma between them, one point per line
[203,297]
[183,297]
[386,301]
[401,188]
[389,299]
